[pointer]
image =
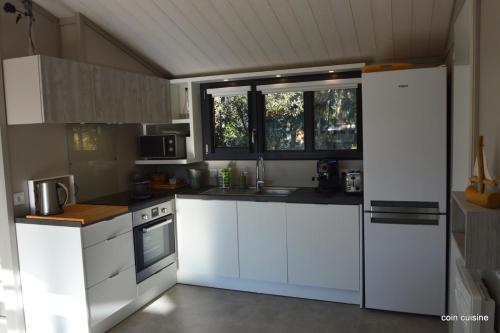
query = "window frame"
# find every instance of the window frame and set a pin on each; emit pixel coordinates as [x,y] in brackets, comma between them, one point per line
[256,120]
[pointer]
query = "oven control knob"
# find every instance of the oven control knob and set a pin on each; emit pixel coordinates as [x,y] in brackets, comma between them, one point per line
[164,210]
[144,216]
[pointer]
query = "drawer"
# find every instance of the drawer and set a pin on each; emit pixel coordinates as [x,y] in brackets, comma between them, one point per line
[108,258]
[159,282]
[111,295]
[101,231]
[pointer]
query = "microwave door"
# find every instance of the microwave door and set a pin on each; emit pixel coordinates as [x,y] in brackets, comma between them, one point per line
[152,146]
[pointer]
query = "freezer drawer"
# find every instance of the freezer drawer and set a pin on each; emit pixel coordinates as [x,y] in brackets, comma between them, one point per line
[405,264]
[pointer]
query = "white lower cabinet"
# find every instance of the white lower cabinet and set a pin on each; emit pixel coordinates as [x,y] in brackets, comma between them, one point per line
[68,287]
[207,237]
[262,241]
[323,245]
[301,250]
[111,295]
[108,258]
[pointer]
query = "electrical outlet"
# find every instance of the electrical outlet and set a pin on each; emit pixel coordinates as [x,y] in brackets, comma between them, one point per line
[19,199]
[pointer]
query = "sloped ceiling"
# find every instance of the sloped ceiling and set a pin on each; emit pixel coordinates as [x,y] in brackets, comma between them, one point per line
[188,37]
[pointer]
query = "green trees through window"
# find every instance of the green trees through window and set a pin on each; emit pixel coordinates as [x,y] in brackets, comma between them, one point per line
[231,121]
[308,117]
[335,113]
[284,121]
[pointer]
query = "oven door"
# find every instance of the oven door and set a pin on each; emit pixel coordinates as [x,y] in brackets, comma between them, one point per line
[154,244]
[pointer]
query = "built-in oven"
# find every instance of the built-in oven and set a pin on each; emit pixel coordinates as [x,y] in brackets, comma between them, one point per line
[154,239]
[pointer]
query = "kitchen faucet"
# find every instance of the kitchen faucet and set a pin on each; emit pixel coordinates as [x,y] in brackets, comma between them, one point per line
[259,176]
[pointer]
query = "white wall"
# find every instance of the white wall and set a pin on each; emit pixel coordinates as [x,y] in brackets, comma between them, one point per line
[463,109]
[278,173]
[36,151]
[14,43]
[108,167]
[489,109]
[489,82]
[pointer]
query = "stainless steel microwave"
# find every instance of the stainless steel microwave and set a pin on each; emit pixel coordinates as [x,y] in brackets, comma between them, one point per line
[168,146]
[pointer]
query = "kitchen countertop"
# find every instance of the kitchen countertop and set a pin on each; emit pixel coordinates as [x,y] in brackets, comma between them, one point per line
[78,215]
[306,195]
[126,199]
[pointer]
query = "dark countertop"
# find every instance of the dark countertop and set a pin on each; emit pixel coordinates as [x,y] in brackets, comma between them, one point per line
[134,204]
[306,195]
[301,195]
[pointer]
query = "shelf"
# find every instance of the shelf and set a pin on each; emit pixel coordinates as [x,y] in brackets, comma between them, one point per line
[476,231]
[164,162]
[181,121]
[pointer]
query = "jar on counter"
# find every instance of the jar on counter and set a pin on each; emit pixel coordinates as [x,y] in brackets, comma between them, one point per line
[242,180]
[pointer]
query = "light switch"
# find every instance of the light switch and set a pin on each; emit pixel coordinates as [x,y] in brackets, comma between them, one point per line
[19,199]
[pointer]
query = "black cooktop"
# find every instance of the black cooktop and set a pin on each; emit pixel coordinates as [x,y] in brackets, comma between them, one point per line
[134,202]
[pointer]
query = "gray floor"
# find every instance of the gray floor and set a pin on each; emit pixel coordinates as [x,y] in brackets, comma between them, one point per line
[205,310]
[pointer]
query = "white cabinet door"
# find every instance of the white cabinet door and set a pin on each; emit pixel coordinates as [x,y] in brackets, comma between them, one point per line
[207,237]
[262,241]
[108,258]
[323,245]
[106,230]
[111,295]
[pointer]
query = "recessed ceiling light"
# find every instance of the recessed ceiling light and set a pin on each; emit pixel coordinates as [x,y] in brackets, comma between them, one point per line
[225,80]
[278,75]
[331,71]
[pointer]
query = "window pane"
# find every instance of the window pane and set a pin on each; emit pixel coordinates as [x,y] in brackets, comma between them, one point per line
[335,113]
[231,121]
[284,121]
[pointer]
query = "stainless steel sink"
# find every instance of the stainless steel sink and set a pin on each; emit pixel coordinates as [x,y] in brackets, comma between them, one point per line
[276,191]
[273,191]
[230,191]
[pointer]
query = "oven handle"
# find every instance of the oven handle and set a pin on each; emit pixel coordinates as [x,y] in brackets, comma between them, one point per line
[159,225]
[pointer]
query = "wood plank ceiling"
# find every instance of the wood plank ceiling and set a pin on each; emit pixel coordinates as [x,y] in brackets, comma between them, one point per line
[188,37]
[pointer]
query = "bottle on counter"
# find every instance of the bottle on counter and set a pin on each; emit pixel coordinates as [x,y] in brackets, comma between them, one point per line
[242,180]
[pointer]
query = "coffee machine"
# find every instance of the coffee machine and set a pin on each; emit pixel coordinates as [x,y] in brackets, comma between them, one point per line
[328,176]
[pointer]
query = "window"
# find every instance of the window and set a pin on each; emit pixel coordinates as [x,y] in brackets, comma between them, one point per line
[231,121]
[283,118]
[284,121]
[335,119]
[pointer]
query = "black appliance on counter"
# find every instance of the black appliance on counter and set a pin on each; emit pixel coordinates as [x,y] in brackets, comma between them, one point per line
[328,176]
[154,239]
[168,146]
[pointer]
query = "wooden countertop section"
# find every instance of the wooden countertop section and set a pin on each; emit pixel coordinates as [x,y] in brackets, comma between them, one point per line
[84,214]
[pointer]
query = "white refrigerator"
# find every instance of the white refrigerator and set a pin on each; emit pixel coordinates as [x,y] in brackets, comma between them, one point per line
[405,185]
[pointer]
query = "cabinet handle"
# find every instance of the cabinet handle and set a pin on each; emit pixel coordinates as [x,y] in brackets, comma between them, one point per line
[113,275]
[253,135]
[111,238]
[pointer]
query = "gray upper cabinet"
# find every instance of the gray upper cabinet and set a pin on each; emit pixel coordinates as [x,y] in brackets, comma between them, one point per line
[40,89]
[67,91]
[155,100]
[117,96]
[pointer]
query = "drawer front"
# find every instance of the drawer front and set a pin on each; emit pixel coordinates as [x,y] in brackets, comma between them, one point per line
[159,282]
[104,230]
[111,295]
[108,258]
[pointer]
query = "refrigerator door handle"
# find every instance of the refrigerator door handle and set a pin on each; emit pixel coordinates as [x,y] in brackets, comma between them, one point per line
[405,212]
[405,219]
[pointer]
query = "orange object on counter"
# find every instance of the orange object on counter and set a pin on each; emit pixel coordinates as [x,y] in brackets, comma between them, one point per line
[159,177]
